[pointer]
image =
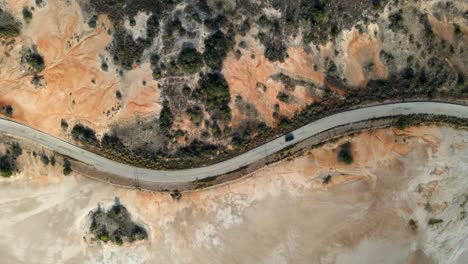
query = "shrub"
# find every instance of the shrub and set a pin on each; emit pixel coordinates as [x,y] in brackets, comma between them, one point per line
[215,90]
[196,115]
[84,134]
[216,48]
[44,159]
[165,117]
[118,94]
[92,23]
[6,166]
[457,30]
[413,224]
[9,27]
[396,21]
[434,221]
[9,110]
[63,124]
[27,15]
[327,179]
[8,160]
[176,195]
[35,60]
[66,167]
[104,66]
[283,97]
[345,154]
[190,60]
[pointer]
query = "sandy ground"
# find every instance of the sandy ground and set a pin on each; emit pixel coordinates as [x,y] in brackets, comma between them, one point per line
[281,214]
[250,77]
[76,88]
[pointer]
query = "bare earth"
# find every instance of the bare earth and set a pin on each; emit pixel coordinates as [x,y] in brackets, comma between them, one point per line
[281,214]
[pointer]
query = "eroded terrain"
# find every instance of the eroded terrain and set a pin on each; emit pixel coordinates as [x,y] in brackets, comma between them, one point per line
[178,83]
[402,199]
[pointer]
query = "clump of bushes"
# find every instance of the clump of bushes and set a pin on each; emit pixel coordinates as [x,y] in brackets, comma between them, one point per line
[434,221]
[66,167]
[345,154]
[190,60]
[115,225]
[217,46]
[196,115]
[9,27]
[413,224]
[283,97]
[64,124]
[8,164]
[84,134]
[35,60]
[215,90]
[165,117]
[27,15]
[7,110]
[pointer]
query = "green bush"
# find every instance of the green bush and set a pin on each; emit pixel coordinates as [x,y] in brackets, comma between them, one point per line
[27,14]
[216,48]
[84,134]
[215,90]
[35,60]
[345,154]
[9,27]
[190,60]
[9,110]
[165,117]
[434,221]
[283,97]
[64,124]
[66,167]
[44,158]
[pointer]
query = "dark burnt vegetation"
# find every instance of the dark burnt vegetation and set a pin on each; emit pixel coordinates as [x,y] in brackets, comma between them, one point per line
[115,225]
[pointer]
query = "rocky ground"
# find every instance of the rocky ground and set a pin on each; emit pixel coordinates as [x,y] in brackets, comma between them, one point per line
[403,199]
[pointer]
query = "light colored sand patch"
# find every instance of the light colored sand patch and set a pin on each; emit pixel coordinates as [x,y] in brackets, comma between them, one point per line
[443,28]
[361,52]
[139,29]
[71,51]
[282,213]
[250,78]
[139,98]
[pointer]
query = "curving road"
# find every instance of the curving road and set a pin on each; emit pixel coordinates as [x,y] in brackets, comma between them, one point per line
[188,175]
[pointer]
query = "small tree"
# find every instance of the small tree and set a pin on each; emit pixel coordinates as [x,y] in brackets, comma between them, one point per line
[64,124]
[9,110]
[27,14]
[345,154]
[66,167]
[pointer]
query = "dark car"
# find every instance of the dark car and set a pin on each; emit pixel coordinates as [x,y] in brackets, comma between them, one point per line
[288,137]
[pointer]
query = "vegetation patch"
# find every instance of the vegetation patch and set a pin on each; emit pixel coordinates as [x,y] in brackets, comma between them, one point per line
[214,89]
[345,154]
[9,26]
[34,60]
[190,60]
[8,164]
[84,134]
[115,225]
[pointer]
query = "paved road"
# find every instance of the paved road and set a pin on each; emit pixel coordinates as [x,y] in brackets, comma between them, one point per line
[155,176]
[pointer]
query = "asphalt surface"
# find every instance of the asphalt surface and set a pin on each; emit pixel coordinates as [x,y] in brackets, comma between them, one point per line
[247,158]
